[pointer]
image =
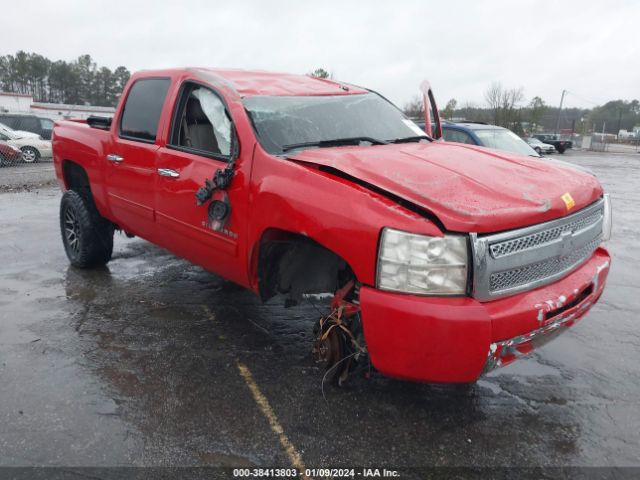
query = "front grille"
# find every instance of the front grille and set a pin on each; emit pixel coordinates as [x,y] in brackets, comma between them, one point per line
[528,241]
[534,272]
[518,260]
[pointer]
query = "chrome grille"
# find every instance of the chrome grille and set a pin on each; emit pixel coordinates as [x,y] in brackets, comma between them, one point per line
[518,260]
[530,273]
[512,246]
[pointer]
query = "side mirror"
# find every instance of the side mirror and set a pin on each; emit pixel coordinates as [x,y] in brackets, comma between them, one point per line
[432,123]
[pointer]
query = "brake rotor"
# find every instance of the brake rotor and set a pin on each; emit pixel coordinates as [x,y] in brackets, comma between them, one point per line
[329,350]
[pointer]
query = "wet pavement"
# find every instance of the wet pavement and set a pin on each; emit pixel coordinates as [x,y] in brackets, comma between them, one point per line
[154,362]
[27,176]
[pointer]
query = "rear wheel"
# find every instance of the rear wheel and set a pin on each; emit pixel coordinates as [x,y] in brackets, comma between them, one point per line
[30,154]
[86,235]
[537,149]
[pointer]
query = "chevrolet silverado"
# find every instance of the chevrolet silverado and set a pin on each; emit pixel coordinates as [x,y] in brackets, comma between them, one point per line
[444,260]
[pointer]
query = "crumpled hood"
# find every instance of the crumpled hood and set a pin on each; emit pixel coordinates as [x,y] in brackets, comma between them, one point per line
[469,188]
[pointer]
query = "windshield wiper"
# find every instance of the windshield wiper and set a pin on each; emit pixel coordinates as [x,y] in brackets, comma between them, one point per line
[415,138]
[336,142]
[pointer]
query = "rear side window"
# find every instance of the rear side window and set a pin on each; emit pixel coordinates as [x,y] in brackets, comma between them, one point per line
[141,113]
[46,124]
[30,124]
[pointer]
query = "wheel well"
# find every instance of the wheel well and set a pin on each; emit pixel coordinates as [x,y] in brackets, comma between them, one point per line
[293,264]
[75,177]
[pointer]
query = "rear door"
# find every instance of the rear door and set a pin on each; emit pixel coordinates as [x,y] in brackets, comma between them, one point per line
[130,160]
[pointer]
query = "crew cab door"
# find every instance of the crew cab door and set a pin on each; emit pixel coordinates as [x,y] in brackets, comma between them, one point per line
[130,170]
[202,140]
[432,123]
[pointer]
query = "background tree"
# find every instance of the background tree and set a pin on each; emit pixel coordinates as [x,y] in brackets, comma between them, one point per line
[414,108]
[450,109]
[537,108]
[503,104]
[615,115]
[78,82]
[320,73]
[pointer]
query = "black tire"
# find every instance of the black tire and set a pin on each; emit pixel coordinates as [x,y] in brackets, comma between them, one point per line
[86,235]
[30,155]
[560,149]
[537,149]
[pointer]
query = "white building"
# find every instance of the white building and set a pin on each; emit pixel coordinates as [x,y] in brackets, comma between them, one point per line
[18,103]
[15,102]
[56,111]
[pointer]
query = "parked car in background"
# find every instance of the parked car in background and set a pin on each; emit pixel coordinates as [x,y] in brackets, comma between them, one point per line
[539,146]
[9,154]
[30,123]
[20,133]
[473,133]
[553,139]
[33,149]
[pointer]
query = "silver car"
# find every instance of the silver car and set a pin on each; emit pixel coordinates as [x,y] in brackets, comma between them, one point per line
[33,149]
[539,146]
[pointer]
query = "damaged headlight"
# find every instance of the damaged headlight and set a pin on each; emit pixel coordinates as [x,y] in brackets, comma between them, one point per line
[607,219]
[421,264]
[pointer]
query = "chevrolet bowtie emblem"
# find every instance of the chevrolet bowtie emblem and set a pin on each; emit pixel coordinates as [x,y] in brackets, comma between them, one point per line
[566,243]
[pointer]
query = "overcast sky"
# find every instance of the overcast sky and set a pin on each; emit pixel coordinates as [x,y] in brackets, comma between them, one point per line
[590,48]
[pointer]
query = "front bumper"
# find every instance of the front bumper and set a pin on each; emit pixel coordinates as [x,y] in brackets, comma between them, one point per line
[456,339]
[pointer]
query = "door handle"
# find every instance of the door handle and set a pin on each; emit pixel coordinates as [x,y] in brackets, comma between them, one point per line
[114,158]
[167,172]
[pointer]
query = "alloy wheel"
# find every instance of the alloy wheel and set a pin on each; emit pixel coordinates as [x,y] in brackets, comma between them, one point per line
[72,230]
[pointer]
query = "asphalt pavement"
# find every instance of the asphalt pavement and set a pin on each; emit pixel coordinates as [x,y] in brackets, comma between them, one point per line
[154,362]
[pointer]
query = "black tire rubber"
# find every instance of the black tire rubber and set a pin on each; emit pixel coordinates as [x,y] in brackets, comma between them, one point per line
[539,150]
[35,152]
[94,244]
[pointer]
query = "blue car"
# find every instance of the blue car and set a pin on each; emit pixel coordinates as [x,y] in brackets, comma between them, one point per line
[476,133]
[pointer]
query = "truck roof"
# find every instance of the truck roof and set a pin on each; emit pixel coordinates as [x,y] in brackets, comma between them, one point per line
[249,83]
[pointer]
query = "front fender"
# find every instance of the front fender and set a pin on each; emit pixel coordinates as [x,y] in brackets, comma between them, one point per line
[340,215]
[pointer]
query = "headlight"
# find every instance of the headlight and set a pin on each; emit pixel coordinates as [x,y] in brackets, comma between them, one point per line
[421,264]
[607,219]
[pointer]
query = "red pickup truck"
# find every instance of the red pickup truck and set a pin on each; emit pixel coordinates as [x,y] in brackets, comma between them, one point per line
[444,260]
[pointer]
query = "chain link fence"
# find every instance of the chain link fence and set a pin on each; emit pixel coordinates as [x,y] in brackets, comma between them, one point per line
[12,155]
[609,143]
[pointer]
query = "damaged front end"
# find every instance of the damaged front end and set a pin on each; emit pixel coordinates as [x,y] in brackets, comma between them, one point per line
[339,342]
[555,316]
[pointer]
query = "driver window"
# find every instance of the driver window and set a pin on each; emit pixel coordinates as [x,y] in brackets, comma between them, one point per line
[203,124]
